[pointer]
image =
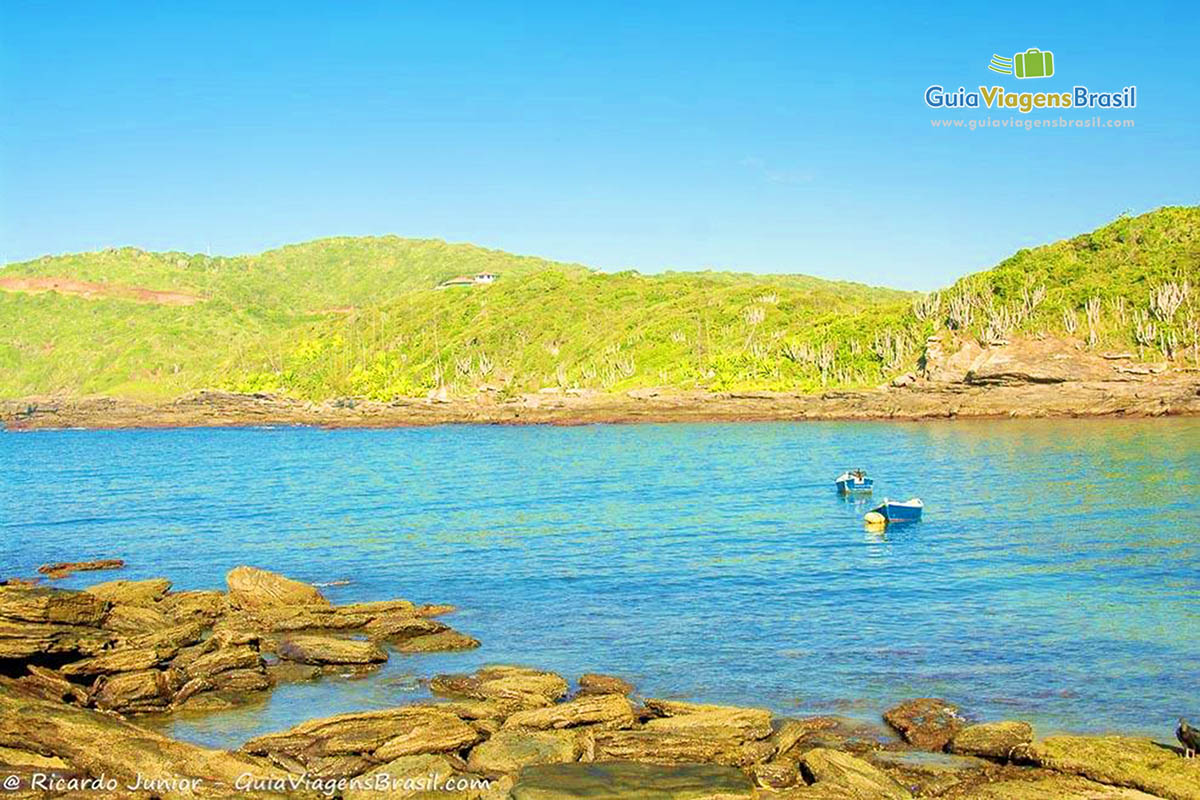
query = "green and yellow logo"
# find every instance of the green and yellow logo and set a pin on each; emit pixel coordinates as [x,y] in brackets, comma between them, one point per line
[1033,63]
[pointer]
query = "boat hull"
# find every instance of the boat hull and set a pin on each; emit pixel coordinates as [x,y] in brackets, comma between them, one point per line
[853,487]
[899,512]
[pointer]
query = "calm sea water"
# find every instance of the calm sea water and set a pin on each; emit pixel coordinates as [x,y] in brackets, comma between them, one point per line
[1055,578]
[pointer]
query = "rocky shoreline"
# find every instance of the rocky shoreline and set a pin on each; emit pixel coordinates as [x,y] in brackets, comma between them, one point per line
[78,668]
[955,380]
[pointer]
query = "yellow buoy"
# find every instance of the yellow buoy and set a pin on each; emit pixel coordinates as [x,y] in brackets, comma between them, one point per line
[875,520]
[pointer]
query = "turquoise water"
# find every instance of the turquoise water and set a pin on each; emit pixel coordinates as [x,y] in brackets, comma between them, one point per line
[1055,577]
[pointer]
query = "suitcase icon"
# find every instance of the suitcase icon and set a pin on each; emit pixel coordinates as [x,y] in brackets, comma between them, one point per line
[1033,63]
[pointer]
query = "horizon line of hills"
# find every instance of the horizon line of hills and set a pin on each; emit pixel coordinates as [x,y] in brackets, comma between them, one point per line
[373,317]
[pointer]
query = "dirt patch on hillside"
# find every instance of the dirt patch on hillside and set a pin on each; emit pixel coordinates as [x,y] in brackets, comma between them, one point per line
[69,286]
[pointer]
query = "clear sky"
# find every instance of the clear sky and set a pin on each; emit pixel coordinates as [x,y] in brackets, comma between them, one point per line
[761,136]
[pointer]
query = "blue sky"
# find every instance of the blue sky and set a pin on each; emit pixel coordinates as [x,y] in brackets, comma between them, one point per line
[768,137]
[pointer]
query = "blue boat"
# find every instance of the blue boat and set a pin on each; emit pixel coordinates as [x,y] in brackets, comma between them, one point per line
[897,511]
[853,480]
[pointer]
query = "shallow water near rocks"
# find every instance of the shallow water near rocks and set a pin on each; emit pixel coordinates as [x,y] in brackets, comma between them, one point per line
[1055,577]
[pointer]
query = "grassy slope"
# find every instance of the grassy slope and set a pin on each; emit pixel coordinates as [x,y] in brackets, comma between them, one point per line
[1116,268]
[359,316]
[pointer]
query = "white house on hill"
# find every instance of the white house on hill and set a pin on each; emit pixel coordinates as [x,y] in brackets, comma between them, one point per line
[483,278]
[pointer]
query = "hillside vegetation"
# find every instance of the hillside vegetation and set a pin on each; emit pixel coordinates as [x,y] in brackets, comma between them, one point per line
[363,317]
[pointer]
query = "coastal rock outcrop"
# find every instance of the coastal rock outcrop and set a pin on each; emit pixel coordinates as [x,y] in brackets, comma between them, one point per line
[729,722]
[134,593]
[522,686]
[62,569]
[927,722]
[1118,761]
[843,771]
[137,647]
[250,588]
[593,683]
[509,751]
[443,641]
[49,606]
[320,650]
[1021,361]
[651,746]
[508,732]
[608,710]
[95,744]
[370,738]
[630,780]
[996,740]
[1040,785]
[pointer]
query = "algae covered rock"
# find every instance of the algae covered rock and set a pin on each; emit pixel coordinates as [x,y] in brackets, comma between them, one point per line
[1119,761]
[927,722]
[101,744]
[849,773]
[508,751]
[995,740]
[646,745]
[641,781]
[443,641]
[1040,785]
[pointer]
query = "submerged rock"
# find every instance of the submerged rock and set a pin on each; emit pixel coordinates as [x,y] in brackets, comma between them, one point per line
[250,588]
[934,774]
[641,781]
[437,642]
[592,683]
[928,722]
[995,740]
[62,569]
[396,626]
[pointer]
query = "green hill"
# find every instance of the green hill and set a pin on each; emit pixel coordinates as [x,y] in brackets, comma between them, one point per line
[364,317]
